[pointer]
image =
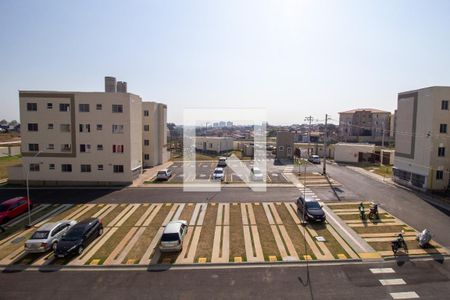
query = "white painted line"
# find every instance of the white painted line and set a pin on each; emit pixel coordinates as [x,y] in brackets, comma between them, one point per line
[20,219]
[404,295]
[396,281]
[382,270]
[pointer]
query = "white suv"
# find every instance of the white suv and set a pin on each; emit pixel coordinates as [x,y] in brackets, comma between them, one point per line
[173,236]
[256,174]
[164,174]
[218,174]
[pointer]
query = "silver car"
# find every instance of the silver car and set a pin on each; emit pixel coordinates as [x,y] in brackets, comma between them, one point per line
[47,236]
[173,236]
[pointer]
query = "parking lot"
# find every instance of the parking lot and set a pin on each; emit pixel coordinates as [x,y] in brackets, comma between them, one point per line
[205,169]
[218,233]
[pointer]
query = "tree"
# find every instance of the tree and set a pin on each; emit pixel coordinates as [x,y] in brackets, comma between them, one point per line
[13,123]
[3,122]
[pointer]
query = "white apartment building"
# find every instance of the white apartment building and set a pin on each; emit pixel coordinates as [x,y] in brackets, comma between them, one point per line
[422,139]
[154,134]
[85,138]
[213,144]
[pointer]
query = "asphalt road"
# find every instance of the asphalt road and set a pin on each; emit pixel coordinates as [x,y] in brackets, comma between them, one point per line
[351,281]
[404,204]
[154,194]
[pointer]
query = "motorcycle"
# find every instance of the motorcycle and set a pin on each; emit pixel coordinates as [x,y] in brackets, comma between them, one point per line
[373,213]
[397,243]
[424,238]
[362,213]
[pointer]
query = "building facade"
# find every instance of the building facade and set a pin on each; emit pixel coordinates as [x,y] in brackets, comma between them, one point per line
[422,140]
[82,138]
[154,134]
[285,145]
[364,125]
[213,144]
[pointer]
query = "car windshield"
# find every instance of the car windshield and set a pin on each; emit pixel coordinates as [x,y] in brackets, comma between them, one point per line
[313,205]
[161,173]
[3,207]
[218,171]
[74,234]
[39,235]
[256,171]
[170,237]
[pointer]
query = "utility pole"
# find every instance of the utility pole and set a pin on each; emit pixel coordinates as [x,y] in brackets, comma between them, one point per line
[310,119]
[325,145]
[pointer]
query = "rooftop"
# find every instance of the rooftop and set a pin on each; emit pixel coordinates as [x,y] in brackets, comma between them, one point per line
[373,110]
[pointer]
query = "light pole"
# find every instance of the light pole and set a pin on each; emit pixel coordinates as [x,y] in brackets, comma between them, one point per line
[27,171]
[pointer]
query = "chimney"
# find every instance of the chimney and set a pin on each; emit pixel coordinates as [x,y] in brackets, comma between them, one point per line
[110,84]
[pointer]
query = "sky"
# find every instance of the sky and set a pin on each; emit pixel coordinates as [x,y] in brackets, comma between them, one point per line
[292,58]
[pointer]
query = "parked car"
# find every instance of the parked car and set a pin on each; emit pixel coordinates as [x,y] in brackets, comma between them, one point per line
[222,162]
[12,208]
[79,237]
[164,174]
[218,174]
[47,236]
[256,174]
[315,159]
[173,236]
[311,209]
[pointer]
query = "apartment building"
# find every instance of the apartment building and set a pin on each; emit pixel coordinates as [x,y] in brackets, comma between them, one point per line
[154,134]
[84,138]
[422,139]
[364,125]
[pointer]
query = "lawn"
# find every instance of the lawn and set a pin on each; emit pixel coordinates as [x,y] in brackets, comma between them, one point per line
[8,161]
[205,156]
[382,170]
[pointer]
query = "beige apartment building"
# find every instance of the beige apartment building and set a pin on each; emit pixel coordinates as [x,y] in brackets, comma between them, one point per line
[86,138]
[364,125]
[213,144]
[285,145]
[422,139]
[154,134]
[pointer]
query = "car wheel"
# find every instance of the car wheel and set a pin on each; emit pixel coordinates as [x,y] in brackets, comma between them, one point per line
[80,250]
[100,231]
[54,245]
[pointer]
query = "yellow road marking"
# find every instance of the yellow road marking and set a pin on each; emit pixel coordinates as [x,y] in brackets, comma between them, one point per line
[202,260]
[237,259]
[272,258]
[307,257]
[131,261]
[341,256]
[95,262]
[369,255]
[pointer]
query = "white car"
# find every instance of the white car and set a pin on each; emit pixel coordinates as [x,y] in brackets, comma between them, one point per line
[218,174]
[256,174]
[164,174]
[47,236]
[222,162]
[315,159]
[173,236]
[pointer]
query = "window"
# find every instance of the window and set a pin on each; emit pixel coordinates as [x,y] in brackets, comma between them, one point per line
[281,148]
[117,108]
[439,175]
[145,113]
[33,147]
[118,168]
[50,146]
[32,127]
[99,147]
[146,157]
[64,107]
[50,126]
[51,166]
[99,107]
[65,127]
[443,128]
[34,167]
[117,148]
[444,105]
[146,127]
[100,167]
[117,128]
[66,168]
[441,151]
[85,127]
[83,107]
[85,148]
[49,105]
[32,106]
[66,148]
[85,168]
[99,127]
[146,142]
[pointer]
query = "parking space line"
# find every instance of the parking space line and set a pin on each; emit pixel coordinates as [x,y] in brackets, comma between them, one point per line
[176,217]
[120,216]
[93,247]
[404,295]
[134,207]
[106,212]
[112,258]
[221,249]
[150,218]
[322,246]
[82,212]
[45,218]
[342,242]
[25,216]
[253,248]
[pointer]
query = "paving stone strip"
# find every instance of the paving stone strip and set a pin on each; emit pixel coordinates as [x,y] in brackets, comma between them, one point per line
[107,211]
[342,242]
[271,214]
[101,211]
[25,216]
[387,234]
[81,212]
[370,224]
[112,256]
[134,207]
[326,252]
[221,245]
[45,218]
[418,252]
[192,238]
[120,216]
[253,249]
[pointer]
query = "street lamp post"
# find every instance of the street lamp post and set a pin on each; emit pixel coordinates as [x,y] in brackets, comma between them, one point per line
[28,192]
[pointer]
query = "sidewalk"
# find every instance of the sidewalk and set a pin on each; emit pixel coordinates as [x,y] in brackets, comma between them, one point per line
[148,174]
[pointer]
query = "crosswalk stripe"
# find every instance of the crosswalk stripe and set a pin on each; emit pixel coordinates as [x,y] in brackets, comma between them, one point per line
[395,281]
[404,295]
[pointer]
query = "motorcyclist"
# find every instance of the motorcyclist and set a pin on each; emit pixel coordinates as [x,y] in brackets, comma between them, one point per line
[373,211]
[362,214]
[398,242]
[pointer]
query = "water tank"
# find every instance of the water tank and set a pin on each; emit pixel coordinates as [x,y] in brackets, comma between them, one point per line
[121,87]
[110,84]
